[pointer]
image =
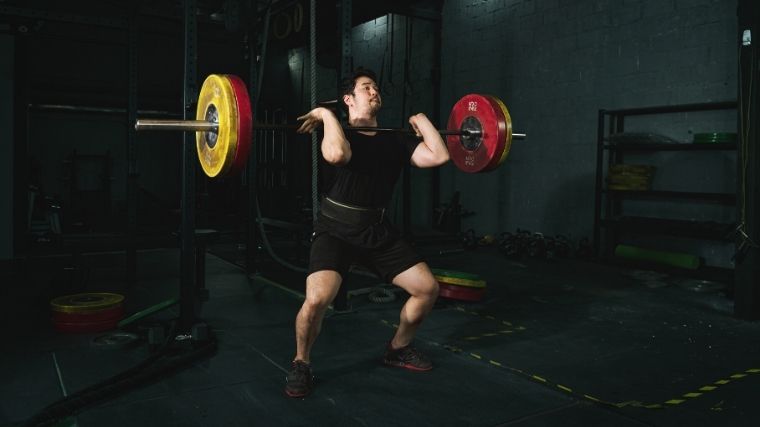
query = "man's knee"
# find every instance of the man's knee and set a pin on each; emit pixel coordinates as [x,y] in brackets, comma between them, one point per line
[316,304]
[427,287]
[321,288]
[431,288]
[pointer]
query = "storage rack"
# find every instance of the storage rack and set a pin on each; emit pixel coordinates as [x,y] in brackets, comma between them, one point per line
[609,219]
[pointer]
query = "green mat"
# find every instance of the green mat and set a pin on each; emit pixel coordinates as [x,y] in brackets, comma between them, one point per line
[673,259]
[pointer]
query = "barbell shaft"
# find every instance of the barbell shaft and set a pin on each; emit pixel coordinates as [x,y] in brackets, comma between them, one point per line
[444,132]
[206,126]
[371,129]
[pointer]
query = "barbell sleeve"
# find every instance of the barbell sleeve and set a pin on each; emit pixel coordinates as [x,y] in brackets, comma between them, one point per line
[175,125]
[206,126]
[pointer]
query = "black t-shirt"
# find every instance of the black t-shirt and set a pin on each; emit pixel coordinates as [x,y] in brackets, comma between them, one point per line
[376,163]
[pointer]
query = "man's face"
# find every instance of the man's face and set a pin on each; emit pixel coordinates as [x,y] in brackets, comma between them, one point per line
[365,100]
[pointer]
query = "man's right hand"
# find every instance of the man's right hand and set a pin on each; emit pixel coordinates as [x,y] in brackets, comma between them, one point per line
[312,119]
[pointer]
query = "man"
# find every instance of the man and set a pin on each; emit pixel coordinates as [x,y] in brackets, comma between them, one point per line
[352,227]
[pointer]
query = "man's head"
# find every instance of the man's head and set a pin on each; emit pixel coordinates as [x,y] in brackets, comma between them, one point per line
[361,96]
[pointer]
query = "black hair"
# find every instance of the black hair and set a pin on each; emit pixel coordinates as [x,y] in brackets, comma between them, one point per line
[348,84]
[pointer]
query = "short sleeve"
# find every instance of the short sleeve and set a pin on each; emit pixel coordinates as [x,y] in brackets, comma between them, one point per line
[409,143]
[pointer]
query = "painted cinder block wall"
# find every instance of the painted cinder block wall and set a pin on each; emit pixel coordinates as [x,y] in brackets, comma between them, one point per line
[555,63]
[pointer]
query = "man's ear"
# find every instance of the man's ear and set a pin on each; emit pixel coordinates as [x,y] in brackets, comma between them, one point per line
[346,99]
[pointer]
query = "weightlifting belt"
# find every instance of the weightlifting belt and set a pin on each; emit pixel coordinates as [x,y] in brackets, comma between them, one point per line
[350,214]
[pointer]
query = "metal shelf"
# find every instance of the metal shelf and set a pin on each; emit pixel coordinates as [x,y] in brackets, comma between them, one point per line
[683,108]
[708,230]
[722,198]
[609,213]
[720,146]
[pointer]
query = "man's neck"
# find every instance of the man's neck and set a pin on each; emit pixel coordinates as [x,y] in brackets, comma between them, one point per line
[362,121]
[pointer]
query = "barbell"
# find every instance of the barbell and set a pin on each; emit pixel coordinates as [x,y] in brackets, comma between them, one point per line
[478,136]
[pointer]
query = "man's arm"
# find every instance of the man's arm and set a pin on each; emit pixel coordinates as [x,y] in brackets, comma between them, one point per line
[335,147]
[432,151]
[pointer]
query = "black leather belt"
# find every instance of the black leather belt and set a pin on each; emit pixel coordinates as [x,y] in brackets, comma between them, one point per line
[350,214]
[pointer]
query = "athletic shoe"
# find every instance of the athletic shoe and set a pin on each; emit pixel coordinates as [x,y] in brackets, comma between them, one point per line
[299,381]
[407,357]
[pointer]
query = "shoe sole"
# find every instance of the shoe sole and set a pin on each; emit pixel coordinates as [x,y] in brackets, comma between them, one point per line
[406,366]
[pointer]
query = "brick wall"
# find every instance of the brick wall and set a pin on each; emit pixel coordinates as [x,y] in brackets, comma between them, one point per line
[555,63]
[6,146]
[392,46]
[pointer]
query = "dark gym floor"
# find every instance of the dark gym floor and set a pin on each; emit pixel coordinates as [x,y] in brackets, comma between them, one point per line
[562,342]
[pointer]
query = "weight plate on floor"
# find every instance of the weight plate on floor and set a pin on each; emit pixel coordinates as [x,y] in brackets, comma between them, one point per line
[461,293]
[115,340]
[456,281]
[476,154]
[85,327]
[454,273]
[85,302]
[111,313]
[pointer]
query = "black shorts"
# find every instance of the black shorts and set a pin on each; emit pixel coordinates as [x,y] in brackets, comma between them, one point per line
[379,247]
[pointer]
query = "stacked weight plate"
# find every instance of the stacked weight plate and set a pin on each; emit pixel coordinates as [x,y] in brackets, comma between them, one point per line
[87,312]
[460,286]
[714,138]
[630,177]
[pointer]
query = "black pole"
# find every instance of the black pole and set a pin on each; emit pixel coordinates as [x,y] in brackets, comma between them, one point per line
[21,175]
[252,237]
[131,255]
[406,187]
[747,258]
[345,24]
[598,183]
[344,35]
[435,180]
[187,314]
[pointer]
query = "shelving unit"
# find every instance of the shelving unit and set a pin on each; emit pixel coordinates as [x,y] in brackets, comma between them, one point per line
[610,219]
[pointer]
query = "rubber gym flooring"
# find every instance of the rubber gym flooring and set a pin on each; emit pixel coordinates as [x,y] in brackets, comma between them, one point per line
[564,342]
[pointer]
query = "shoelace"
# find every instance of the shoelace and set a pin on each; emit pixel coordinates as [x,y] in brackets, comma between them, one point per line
[410,353]
[301,371]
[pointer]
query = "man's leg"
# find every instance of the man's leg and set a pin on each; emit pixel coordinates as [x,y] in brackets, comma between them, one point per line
[420,283]
[321,288]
